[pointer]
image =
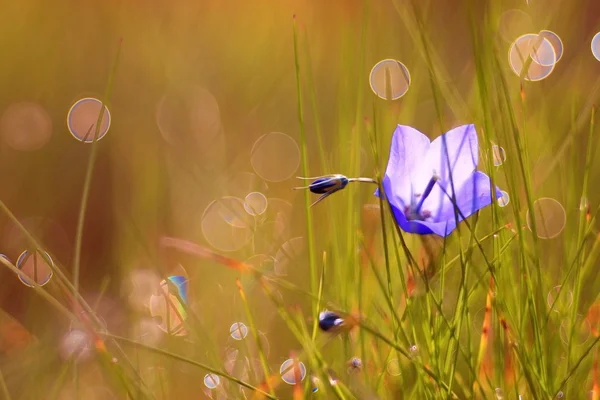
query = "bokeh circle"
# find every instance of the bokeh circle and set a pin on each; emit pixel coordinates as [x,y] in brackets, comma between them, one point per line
[83,117]
[275,156]
[389,79]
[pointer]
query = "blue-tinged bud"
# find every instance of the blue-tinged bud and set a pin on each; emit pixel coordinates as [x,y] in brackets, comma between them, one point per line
[355,364]
[330,321]
[328,184]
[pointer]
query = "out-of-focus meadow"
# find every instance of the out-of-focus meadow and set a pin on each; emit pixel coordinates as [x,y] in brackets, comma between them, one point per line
[215,107]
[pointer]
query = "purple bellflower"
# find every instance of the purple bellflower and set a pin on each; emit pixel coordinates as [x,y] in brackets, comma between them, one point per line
[422,175]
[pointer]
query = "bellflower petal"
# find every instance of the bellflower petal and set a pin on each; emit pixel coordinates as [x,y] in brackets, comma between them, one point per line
[442,228]
[406,154]
[421,176]
[476,193]
[459,146]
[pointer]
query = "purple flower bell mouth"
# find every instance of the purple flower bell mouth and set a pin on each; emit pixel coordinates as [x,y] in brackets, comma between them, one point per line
[421,176]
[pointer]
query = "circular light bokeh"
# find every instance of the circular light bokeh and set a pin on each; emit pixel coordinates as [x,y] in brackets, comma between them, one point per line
[289,370]
[25,126]
[393,367]
[498,155]
[255,203]
[275,157]
[226,225]
[168,310]
[261,262]
[141,285]
[238,330]
[288,253]
[514,23]
[549,216]
[37,266]
[77,345]
[556,43]
[581,331]
[560,303]
[211,381]
[504,199]
[189,113]
[596,46]
[541,51]
[83,117]
[389,79]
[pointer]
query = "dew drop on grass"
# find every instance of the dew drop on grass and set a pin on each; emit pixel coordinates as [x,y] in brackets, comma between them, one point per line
[560,300]
[499,155]
[289,370]
[333,379]
[255,203]
[25,126]
[83,117]
[560,395]
[549,217]
[499,393]
[504,199]
[389,79]
[211,381]
[414,350]
[596,46]
[539,49]
[238,330]
[316,382]
[37,266]
[275,156]
[583,204]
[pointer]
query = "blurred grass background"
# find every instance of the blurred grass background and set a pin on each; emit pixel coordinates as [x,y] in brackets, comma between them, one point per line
[242,53]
